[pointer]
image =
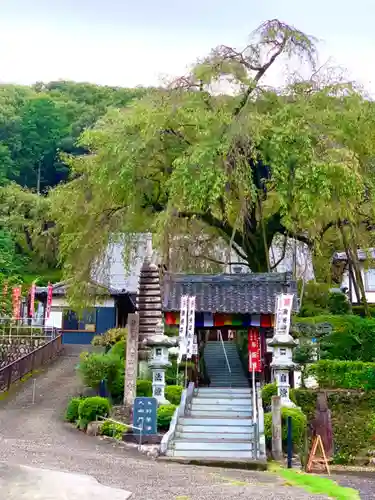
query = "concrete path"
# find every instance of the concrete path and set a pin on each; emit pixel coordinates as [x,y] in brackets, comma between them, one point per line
[35,436]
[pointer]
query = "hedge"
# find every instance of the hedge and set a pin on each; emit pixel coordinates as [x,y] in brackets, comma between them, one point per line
[299,424]
[112,429]
[173,394]
[352,419]
[343,374]
[144,388]
[164,416]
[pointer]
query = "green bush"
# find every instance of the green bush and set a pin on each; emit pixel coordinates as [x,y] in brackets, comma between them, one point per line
[173,394]
[338,303]
[95,367]
[71,413]
[90,409]
[315,299]
[144,388]
[113,430]
[270,390]
[299,424]
[119,349]
[359,310]
[164,416]
[344,374]
[110,337]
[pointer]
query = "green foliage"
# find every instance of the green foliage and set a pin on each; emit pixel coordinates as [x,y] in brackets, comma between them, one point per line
[95,367]
[359,310]
[315,299]
[173,394]
[344,374]
[299,424]
[118,349]
[72,413]
[338,303]
[352,420]
[113,430]
[164,416]
[90,409]
[110,338]
[144,388]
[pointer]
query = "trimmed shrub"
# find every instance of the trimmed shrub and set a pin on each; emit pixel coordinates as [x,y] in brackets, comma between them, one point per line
[119,350]
[299,425]
[338,303]
[343,374]
[95,367]
[71,413]
[173,394]
[315,299]
[113,430]
[91,408]
[144,388]
[164,416]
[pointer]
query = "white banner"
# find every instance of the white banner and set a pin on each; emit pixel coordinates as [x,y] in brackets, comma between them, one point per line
[190,327]
[284,304]
[182,328]
[195,346]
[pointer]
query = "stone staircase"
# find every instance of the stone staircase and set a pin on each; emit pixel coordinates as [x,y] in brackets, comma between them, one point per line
[217,367]
[217,425]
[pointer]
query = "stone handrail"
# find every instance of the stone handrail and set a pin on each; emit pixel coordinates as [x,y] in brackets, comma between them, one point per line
[181,410]
[261,448]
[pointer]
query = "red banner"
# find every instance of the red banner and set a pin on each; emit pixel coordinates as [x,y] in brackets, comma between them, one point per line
[16,300]
[255,362]
[32,300]
[49,300]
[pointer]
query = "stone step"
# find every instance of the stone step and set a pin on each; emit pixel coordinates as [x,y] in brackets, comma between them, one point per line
[212,454]
[221,413]
[203,401]
[233,392]
[196,406]
[216,421]
[215,435]
[212,445]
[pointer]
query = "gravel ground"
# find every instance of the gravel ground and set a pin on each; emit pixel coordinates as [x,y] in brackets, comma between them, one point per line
[34,434]
[362,482]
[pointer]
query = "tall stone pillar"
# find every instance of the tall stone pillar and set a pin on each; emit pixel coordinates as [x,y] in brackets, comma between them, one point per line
[149,308]
[131,364]
[277,449]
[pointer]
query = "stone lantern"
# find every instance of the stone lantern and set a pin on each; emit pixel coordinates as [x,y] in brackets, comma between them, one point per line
[282,363]
[159,361]
[283,344]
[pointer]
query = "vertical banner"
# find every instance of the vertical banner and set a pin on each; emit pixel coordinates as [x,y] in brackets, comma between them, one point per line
[4,299]
[255,362]
[49,300]
[16,302]
[182,327]
[284,303]
[32,300]
[190,327]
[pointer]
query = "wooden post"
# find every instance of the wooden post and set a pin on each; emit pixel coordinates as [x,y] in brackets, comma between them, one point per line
[131,363]
[277,451]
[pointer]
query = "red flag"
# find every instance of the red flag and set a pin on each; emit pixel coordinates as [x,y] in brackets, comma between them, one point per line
[49,300]
[32,300]
[254,350]
[16,296]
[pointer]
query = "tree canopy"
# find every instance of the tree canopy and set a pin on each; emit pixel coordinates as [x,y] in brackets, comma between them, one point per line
[239,167]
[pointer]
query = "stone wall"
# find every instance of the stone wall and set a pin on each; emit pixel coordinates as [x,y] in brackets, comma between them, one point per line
[13,348]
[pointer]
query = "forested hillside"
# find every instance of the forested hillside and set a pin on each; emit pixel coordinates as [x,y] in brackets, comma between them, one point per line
[38,125]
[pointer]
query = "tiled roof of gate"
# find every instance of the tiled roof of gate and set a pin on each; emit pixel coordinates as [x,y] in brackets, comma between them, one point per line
[229,293]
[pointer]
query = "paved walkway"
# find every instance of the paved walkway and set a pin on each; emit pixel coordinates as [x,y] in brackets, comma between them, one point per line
[364,483]
[35,435]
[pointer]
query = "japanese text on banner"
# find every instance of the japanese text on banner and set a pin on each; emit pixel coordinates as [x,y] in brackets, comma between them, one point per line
[190,327]
[284,305]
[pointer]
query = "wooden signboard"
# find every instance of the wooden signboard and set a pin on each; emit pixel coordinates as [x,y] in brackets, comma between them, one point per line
[318,461]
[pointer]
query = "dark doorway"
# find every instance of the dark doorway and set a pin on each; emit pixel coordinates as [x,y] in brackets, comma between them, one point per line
[125,305]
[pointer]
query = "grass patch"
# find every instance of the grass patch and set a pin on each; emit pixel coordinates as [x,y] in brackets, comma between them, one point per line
[316,484]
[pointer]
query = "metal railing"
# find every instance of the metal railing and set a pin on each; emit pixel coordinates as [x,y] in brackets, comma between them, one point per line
[226,357]
[16,370]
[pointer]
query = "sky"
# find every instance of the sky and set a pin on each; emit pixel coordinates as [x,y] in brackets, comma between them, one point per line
[128,43]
